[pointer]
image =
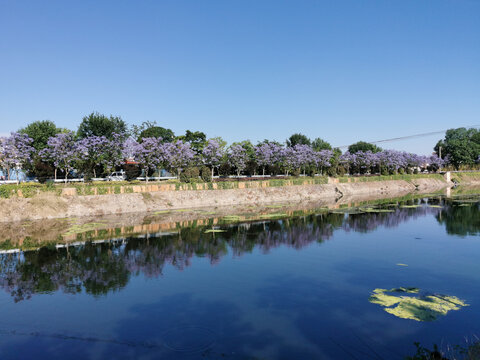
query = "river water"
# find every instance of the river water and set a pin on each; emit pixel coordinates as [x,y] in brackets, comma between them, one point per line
[361,283]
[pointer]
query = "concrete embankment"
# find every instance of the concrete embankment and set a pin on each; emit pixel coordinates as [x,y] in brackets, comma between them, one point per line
[154,198]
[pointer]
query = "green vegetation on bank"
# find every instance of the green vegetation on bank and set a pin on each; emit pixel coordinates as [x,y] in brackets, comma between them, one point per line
[31,189]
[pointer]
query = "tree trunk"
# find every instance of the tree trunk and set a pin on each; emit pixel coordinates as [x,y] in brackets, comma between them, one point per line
[212,172]
[66,176]
[146,175]
[263,174]
[55,174]
[94,172]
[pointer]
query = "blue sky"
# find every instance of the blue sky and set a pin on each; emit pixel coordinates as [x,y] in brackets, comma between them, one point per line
[342,70]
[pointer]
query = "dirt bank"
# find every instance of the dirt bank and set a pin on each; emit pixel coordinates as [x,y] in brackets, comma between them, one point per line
[51,206]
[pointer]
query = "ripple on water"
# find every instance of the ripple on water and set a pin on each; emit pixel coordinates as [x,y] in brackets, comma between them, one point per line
[189,338]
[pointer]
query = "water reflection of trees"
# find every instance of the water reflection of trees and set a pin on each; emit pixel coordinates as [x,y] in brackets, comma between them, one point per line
[101,268]
[460,218]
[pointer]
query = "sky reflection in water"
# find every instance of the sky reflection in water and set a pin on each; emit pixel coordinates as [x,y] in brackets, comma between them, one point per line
[290,288]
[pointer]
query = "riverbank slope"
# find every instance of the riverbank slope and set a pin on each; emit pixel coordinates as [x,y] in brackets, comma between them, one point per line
[147,198]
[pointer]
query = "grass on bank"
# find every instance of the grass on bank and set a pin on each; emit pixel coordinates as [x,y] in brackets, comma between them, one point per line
[31,189]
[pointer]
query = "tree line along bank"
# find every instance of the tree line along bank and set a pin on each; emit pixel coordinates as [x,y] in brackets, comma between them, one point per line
[104,144]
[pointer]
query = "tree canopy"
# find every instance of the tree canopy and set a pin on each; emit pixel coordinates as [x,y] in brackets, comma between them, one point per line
[320,144]
[461,146]
[167,135]
[298,139]
[364,147]
[97,124]
[197,139]
[40,132]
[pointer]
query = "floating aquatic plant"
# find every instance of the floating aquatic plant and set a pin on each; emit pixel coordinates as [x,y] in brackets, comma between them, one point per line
[272,216]
[78,229]
[409,206]
[232,218]
[410,303]
[214,231]
[374,210]
[161,212]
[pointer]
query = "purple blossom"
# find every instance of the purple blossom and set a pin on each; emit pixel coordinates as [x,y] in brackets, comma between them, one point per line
[15,151]
[268,154]
[150,153]
[178,155]
[238,157]
[93,151]
[62,151]
[212,154]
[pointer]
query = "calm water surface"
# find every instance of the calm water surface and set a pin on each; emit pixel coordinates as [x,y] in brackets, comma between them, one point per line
[290,288]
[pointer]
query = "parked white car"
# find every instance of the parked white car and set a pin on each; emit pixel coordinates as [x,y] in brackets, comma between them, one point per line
[117,176]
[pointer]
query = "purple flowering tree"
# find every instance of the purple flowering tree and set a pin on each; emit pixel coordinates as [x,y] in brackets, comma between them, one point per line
[304,155]
[238,157]
[435,163]
[289,160]
[15,151]
[113,154]
[62,151]
[178,155]
[92,152]
[129,148]
[323,159]
[150,153]
[212,154]
[268,154]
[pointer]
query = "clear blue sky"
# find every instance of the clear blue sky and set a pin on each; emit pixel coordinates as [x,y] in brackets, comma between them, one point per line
[343,70]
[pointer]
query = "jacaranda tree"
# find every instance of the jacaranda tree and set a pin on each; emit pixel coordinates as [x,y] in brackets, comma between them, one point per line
[62,150]
[15,151]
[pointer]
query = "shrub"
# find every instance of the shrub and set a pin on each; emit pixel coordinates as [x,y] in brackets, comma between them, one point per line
[132,171]
[206,174]
[331,171]
[341,171]
[225,169]
[43,170]
[190,175]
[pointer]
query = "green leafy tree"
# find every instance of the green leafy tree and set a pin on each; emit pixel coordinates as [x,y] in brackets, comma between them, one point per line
[364,147]
[40,132]
[297,139]
[460,146]
[167,135]
[197,139]
[97,124]
[320,144]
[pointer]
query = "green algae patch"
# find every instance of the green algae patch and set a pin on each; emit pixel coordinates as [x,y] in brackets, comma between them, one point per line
[273,216]
[410,303]
[214,231]
[373,210]
[409,206]
[435,206]
[232,218]
[78,229]
[161,212]
[274,206]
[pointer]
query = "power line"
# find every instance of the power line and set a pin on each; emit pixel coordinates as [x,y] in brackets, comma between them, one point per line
[409,136]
